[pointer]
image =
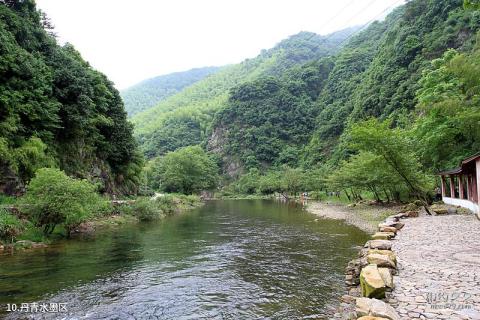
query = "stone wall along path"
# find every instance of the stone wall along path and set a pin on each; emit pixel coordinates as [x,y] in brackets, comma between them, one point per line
[439,268]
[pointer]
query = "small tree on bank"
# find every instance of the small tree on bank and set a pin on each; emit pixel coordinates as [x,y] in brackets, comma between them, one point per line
[386,159]
[53,198]
[187,170]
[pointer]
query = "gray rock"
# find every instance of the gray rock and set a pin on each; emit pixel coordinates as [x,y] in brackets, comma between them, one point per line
[375,308]
[379,244]
[383,235]
[387,277]
[381,260]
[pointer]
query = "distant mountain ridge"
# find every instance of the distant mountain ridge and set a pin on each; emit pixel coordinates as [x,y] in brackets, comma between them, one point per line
[150,92]
[293,104]
[184,118]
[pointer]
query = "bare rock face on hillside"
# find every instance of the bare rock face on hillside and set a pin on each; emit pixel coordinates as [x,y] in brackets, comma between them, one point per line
[10,183]
[216,142]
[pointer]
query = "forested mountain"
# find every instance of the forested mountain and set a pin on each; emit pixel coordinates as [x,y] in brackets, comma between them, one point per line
[300,105]
[55,110]
[148,93]
[298,117]
[386,76]
[184,118]
[292,105]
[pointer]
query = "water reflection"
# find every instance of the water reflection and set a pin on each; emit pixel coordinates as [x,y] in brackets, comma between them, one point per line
[227,260]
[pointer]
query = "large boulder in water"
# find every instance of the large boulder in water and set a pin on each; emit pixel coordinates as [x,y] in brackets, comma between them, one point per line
[372,283]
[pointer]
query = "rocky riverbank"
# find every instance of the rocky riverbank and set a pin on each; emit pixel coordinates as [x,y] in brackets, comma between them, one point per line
[123,212]
[439,267]
[365,216]
[420,264]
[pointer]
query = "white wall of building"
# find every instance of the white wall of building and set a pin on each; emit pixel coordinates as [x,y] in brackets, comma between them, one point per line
[462,203]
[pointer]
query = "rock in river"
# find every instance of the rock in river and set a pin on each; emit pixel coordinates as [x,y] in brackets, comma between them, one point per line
[379,244]
[381,260]
[389,253]
[388,229]
[387,277]
[372,282]
[383,236]
[375,308]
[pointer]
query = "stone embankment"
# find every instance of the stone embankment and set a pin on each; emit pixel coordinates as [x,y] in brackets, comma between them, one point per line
[422,268]
[439,267]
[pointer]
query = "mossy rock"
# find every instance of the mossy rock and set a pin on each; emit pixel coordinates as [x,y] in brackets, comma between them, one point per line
[418,203]
[411,206]
[439,209]
[372,283]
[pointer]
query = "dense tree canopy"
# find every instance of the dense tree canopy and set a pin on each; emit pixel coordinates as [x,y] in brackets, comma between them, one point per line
[148,93]
[203,99]
[55,110]
[303,104]
[53,198]
[267,119]
[187,170]
[449,110]
[382,107]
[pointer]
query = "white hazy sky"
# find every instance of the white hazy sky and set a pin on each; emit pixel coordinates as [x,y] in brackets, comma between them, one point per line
[131,41]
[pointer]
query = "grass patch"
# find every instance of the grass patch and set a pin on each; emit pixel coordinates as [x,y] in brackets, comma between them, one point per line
[6,200]
[34,234]
[10,226]
[374,216]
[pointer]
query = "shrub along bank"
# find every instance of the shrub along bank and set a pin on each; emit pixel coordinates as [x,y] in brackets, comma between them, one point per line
[56,205]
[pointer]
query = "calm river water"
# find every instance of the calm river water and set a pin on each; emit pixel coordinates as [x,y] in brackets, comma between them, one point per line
[248,259]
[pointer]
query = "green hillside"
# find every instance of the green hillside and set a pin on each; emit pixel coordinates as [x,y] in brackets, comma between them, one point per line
[148,93]
[352,103]
[184,118]
[56,110]
[300,117]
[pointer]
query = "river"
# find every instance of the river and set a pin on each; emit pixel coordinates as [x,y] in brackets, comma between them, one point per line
[238,259]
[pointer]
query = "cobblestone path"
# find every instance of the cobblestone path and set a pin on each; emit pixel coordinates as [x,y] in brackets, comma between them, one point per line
[439,268]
